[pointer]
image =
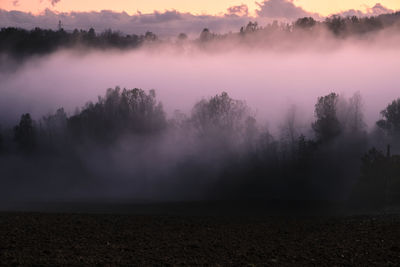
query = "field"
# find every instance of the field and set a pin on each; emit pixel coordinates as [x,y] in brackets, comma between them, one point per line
[29,238]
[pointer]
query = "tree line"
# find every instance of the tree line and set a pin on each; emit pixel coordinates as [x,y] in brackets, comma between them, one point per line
[21,43]
[222,139]
[306,29]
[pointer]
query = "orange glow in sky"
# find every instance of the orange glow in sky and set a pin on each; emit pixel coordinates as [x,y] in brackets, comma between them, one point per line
[212,7]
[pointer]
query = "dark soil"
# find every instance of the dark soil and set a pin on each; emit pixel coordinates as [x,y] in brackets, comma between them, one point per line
[83,239]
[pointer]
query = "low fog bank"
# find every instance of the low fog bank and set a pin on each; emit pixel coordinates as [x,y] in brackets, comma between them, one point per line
[269,82]
[277,133]
[123,147]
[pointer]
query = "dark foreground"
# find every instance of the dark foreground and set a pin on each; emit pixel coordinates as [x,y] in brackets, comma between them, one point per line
[78,239]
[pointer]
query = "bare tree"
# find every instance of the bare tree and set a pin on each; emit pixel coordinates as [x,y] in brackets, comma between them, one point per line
[327,126]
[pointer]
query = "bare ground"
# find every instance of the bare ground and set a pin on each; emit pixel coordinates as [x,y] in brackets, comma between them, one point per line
[90,239]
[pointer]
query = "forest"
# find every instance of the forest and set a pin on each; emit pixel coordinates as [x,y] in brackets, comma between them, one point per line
[218,151]
[126,145]
[22,43]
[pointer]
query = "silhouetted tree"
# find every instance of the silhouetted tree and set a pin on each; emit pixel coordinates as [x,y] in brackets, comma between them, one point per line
[53,128]
[119,112]
[299,168]
[24,133]
[390,121]
[219,114]
[375,178]
[305,23]
[182,36]
[327,125]
[149,36]
[21,43]
[1,140]
[251,27]
[336,24]
[91,35]
[289,129]
[206,35]
[251,132]
[355,121]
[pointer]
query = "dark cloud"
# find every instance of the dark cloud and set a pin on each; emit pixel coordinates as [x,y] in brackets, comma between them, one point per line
[54,2]
[240,10]
[286,9]
[351,12]
[282,9]
[158,17]
[376,10]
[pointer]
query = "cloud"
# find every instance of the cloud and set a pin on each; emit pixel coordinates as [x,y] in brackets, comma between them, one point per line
[158,17]
[377,9]
[282,9]
[240,10]
[54,2]
[168,23]
[15,3]
[286,9]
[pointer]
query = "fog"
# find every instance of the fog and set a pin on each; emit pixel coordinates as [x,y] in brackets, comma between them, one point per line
[271,80]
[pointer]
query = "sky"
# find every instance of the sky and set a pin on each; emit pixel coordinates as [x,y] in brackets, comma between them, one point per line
[168,18]
[210,7]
